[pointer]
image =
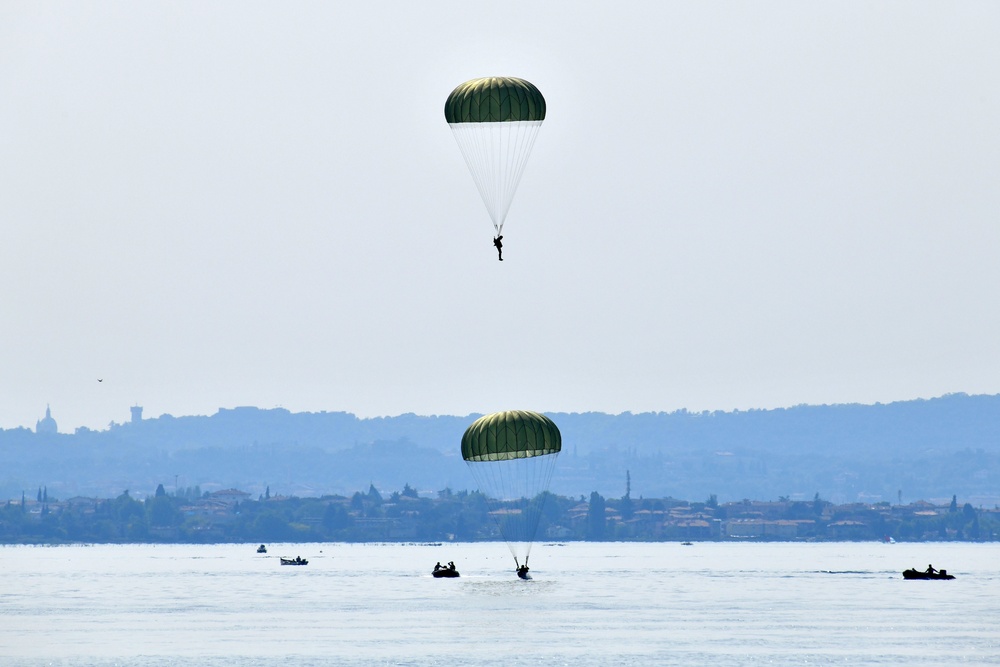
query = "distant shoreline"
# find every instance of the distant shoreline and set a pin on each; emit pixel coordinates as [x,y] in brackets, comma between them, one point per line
[235,517]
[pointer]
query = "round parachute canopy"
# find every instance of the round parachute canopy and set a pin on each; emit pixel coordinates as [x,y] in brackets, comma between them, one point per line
[514,434]
[495,99]
[512,456]
[495,121]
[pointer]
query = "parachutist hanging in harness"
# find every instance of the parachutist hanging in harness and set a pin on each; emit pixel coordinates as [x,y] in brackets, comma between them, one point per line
[512,455]
[495,120]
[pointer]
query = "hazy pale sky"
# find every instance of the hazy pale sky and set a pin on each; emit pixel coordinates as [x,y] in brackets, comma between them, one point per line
[729,205]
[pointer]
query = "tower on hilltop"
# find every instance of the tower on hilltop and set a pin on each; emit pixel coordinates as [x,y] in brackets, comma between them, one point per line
[47,424]
[136,413]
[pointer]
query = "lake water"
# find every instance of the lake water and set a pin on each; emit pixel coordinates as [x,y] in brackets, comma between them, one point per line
[588,604]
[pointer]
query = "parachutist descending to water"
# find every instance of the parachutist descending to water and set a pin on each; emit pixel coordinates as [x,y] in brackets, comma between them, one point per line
[495,120]
[499,246]
[512,455]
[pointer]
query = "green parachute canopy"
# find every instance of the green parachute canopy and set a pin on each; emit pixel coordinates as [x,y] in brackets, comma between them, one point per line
[494,99]
[513,434]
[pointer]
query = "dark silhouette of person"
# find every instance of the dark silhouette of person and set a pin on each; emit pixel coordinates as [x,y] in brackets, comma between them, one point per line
[499,246]
[522,571]
[438,566]
[930,569]
[451,565]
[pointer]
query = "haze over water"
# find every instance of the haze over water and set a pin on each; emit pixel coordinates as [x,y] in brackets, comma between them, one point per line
[589,604]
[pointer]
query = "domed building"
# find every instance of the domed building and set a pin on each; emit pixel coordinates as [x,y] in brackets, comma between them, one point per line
[47,424]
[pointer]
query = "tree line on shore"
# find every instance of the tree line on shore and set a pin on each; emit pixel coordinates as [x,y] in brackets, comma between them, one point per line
[189,516]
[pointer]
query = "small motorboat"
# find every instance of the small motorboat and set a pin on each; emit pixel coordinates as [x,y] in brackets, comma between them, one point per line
[262,549]
[446,572]
[917,574]
[294,561]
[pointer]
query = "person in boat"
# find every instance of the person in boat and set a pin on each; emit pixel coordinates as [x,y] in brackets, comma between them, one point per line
[451,565]
[437,566]
[499,246]
[930,569]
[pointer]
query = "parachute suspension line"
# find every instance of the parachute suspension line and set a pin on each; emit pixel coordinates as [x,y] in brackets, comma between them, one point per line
[491,172]
[496,155]
[482,136]
[480,139]
[518,151]
[544,476]
[518,159]
[485,474]
[490,475]
[476,154]
[517,502]
[498,135]
[508,161]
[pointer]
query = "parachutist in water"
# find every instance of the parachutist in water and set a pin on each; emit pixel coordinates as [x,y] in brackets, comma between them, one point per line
[499,246]
[522,571]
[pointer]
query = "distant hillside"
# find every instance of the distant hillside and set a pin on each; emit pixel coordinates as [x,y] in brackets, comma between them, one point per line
[928,449]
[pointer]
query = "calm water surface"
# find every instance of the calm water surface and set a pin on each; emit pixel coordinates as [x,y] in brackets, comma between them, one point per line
[589,604]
